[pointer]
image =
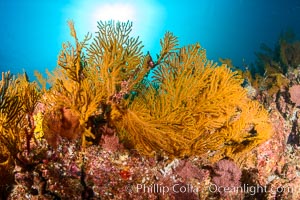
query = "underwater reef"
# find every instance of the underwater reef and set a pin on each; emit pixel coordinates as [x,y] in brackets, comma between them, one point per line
[113,123]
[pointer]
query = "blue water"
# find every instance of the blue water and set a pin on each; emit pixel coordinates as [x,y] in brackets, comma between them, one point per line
[32,32]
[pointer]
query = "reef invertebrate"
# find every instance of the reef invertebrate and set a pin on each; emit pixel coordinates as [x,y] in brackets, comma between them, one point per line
[97,82]
[191,106]
[10,115]
[194,107]
[38,130]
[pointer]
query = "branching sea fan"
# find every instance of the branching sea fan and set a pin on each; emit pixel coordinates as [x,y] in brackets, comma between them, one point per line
[190,106]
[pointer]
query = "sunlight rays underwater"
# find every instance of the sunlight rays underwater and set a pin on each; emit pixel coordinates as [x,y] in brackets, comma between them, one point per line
[147,17]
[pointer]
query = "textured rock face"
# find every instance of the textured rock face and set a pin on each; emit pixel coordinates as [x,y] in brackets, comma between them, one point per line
[109,170]
[295,94]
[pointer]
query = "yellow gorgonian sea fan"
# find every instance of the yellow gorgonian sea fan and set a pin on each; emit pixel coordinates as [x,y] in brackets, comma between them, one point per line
[38,131]
[193,107]
[88,82]
[11,119]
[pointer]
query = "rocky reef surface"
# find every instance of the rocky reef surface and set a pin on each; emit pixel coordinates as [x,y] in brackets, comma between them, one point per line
[111,171]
